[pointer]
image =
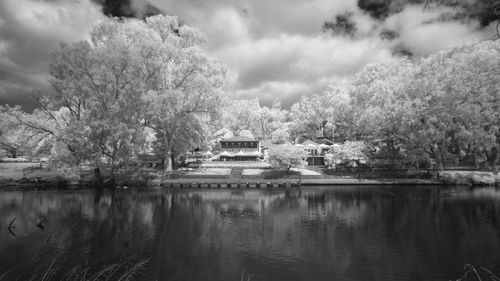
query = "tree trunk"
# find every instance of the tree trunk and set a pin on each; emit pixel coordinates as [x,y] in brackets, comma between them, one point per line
[493,159]
[439,158]
[168,166]
[112,180]
[172,161]
[98,179]
[168,156]
[167,163]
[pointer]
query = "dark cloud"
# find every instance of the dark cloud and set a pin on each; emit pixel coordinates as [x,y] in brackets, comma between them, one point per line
[343,24]
[29,30]
[262,17]
[116,8]
[401,50]
[387,34]
[482,10]
[126,9]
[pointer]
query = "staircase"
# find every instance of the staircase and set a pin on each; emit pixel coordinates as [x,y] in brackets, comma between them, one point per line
[236,173]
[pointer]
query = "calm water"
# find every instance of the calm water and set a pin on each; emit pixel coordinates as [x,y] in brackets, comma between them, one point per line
[318,233]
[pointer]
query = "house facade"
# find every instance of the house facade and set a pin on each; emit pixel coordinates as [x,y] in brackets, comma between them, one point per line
[316,152]
[240,148]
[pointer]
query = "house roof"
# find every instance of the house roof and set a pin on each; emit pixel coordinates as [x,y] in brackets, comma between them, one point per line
[241,153]
[225,153]
[309,143]
[239,138]
[248,153]
[325,141]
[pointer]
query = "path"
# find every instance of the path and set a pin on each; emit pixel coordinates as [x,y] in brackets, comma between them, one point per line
[236,173]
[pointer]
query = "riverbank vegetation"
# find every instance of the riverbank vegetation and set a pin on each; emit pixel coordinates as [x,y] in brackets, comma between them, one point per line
[146,87]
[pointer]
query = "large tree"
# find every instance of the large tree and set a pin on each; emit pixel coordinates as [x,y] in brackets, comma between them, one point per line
[380,102]
[130,75]
[186,89]
[249,115]
[287,156]
[458,96]
[14,139]
[441,107]
[319,115]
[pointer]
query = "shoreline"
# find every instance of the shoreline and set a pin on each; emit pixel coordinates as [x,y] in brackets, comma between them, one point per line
[262,183]
[152,178]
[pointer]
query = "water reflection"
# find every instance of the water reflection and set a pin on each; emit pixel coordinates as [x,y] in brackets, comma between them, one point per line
[320,233]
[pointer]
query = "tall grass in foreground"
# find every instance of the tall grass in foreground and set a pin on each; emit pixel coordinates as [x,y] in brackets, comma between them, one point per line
[470,270]
[125,270]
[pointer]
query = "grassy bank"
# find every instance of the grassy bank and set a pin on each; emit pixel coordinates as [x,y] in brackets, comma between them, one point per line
[35,175]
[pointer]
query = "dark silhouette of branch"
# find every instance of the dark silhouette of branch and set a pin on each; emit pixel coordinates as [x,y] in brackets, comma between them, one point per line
[12,226]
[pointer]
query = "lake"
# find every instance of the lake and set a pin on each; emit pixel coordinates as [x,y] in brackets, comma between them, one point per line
[313,233]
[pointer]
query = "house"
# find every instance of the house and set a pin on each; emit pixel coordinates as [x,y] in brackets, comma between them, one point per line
[239,148]
[316,152]
[311,147]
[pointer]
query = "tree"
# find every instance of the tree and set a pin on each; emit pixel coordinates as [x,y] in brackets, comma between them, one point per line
[308,115]
[218,135]
[22,132]
[246,133]
[319,115]
[13,139]
[380,103]
[458,111]
[130,75]
[443,107]
[186,88]
[249,115]
[99,85]
[287,156]
[352,153]
[280,136]
[240,115]
[340,109]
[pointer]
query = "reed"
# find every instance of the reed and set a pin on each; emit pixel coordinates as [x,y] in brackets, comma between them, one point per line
[471,271]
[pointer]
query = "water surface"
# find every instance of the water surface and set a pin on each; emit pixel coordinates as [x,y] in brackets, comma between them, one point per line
[317,233]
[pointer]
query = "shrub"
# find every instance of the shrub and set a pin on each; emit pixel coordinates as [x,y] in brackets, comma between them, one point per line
[287,156]
[351,153]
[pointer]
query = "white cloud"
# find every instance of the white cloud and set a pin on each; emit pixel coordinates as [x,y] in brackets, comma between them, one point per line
[272,48]
[297,58]
[267,92]
[67,20]
[227,28]
[275,48]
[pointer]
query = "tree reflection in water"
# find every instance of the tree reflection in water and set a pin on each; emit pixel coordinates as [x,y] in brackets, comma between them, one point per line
[317,233]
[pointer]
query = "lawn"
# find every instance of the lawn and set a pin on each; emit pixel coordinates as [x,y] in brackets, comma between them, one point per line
[234,164]
[261,172]
[210,171]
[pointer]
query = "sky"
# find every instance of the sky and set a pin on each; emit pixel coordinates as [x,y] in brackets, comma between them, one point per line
[271,48]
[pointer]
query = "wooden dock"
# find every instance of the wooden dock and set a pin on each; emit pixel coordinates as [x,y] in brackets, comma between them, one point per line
[230,184]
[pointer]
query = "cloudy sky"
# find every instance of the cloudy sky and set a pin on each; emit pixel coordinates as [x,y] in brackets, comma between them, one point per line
[272,48]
